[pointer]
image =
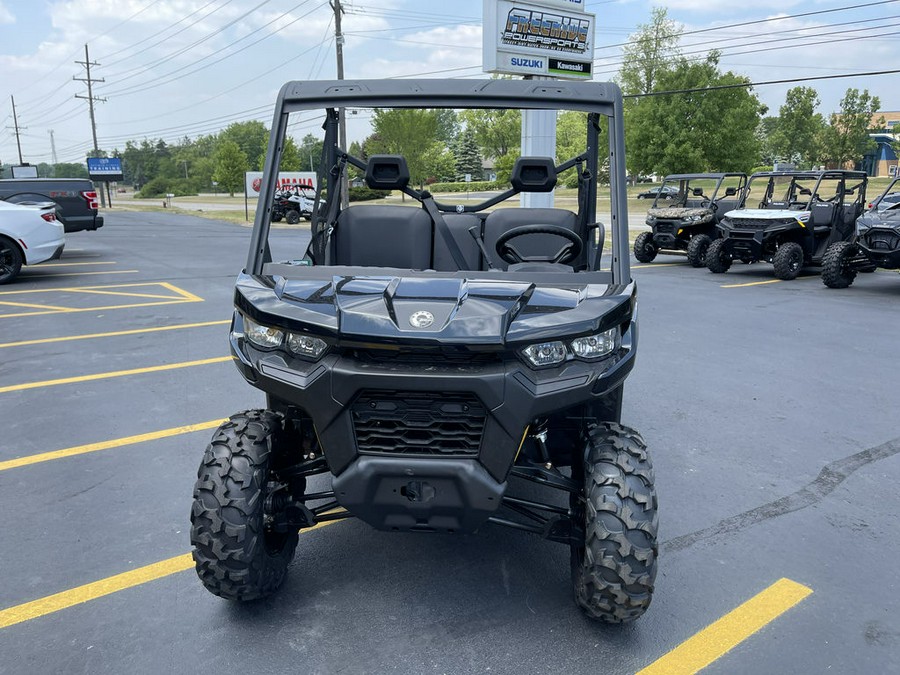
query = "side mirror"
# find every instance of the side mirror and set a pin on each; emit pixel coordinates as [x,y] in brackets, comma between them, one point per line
[697,192]
[730,192]
[805,191]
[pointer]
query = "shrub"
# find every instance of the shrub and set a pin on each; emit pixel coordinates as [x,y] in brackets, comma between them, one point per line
[475,186]
[160,187]
[364,194]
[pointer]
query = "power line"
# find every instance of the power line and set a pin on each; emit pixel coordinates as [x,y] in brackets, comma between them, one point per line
[747,85]
[143,87]
[767,20]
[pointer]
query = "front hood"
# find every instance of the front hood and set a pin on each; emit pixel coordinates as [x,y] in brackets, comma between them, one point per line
[680,213]
[889,218]
[767,214]
[381,309]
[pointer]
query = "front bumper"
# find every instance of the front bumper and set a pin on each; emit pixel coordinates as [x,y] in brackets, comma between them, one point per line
[424,445]
[882,248]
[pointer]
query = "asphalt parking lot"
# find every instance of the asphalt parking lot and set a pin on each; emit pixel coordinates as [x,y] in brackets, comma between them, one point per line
[770,409]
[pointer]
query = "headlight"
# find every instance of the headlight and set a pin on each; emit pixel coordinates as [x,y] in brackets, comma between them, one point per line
[262,336]
[596,346]
[545,353]
[306,345]
[651,220]
[862,226]
[691,219]
[803,217]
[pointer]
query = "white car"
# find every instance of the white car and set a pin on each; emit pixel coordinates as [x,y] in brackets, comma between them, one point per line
[29,234]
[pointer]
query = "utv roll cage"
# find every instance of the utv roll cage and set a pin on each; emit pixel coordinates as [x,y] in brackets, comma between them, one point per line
[598,100]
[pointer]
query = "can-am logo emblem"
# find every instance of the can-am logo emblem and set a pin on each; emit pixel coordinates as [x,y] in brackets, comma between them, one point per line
[421,319]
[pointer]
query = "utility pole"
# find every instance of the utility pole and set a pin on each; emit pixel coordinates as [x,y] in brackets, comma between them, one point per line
[90,99]
[53,157]
[16,125]
[342,115]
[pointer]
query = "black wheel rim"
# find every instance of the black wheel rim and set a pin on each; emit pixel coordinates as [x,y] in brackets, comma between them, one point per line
[795,261]
[6,262]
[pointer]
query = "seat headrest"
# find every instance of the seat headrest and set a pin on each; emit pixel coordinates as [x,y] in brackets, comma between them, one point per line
[387,172]
[533,174]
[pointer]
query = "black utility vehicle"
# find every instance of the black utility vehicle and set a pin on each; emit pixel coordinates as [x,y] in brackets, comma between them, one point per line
[876,244]
[432,359]
[687,221]
[798,215]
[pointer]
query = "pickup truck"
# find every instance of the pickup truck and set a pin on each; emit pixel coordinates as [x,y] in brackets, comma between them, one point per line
[75,199]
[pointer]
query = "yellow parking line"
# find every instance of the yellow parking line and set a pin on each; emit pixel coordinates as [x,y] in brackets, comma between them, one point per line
[74,264]
[7,303]
[180,295]
[135,331]
[650,267]
[77,274]
[97,589]
[81,289]
[93,291]
[107,445]
[116,373]
[180,291]
[753,283]
[718,638]
[177,301]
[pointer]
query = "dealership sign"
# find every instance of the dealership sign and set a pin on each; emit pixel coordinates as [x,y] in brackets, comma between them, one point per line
[286,179]
[545,37]
[104,168]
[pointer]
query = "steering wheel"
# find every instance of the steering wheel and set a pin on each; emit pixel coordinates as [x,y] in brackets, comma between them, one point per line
[571,250]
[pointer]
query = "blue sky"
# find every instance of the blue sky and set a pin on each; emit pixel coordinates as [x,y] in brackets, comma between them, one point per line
[177,68]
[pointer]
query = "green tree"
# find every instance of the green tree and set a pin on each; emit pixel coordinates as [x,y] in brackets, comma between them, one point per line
[468,159]
[404,131]
[799,127]
[846,138]
[231,164]
[70,170]
[571,140]
[310,150]
[496,131]
[649,53]
[448,125]
[290,158]
[702,129]
[439,162]
[251,137]
[767,139]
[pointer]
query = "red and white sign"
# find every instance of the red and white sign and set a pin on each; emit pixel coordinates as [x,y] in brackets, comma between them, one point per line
[286,179]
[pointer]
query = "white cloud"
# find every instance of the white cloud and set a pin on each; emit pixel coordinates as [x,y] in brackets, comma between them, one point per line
[5,15]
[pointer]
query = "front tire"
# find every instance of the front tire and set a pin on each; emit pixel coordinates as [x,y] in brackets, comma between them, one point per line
[235,556]
[292,217]
[788,260]
[696,250]
[836,271]
[614,572]
[10,260]
[644,248]
[717,259]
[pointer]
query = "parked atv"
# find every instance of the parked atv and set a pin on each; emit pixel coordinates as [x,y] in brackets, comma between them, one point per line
[421,362]
[798,216]
[292,204]
[876,244]
[686,222]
